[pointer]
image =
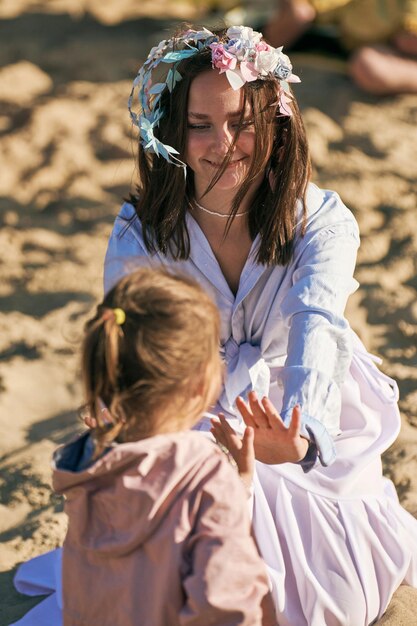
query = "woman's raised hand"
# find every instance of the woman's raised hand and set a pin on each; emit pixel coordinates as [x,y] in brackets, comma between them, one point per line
[240,448]
[273,441]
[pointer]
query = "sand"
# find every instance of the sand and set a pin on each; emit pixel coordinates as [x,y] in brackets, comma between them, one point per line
[65,164]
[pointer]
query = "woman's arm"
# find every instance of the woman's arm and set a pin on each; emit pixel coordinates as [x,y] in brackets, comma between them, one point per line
[319,342]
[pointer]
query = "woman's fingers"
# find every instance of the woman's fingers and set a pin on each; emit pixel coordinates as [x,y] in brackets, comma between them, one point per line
[294,428]
[258,415]
[258,412]
[295,423]
[274,418]
[264,415]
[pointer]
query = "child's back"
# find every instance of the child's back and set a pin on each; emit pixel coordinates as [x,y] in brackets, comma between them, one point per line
[158,534]
[158,526]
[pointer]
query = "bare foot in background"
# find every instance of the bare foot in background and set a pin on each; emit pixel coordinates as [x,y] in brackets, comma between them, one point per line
[386,71]
[289,22]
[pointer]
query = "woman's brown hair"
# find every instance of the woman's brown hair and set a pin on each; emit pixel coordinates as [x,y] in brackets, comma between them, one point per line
[163,192]
[165,347]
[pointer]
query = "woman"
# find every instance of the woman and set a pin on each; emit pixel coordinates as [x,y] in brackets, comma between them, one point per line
[278,254]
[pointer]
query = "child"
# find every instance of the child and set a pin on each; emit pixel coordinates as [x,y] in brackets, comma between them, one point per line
[158,528]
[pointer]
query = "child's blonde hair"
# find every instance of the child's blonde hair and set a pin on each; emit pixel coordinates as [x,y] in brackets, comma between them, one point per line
[152,345]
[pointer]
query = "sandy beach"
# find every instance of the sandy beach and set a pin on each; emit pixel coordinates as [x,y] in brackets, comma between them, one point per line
[66,162]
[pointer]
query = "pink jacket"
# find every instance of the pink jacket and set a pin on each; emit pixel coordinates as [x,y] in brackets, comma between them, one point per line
[158,535]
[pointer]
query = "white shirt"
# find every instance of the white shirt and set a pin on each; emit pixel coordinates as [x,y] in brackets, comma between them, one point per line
[287,321]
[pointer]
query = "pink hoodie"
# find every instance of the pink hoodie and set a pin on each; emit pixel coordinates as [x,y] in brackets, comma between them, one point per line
[158,535]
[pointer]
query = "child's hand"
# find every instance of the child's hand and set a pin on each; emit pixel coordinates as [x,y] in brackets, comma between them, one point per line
[91,422]
[241,448]
[274,443]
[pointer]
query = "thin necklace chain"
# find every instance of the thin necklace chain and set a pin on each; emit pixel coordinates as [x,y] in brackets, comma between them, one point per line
[224,215]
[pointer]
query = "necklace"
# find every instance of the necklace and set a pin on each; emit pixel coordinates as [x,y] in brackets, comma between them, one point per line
[224,215]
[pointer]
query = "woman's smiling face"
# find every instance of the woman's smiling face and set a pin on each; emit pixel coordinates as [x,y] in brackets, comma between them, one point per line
[214,111]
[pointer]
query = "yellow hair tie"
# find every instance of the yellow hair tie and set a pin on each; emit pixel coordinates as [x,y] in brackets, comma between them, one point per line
[119,316]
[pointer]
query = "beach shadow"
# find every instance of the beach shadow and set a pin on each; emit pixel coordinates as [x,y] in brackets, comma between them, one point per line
[67,48]
[39,304]
[396,321]
[22,349]
[17,116]
[59,428]
[19,485]
[392,459]
[81,214]
[14,605]
[359,142]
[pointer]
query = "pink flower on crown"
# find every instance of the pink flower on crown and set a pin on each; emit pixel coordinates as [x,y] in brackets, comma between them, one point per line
[248,71]
[221,59]
[262,46]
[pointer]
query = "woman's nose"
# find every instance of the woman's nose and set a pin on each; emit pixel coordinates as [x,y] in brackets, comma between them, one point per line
[224,139]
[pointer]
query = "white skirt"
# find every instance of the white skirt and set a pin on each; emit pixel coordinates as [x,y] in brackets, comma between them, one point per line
[336,541]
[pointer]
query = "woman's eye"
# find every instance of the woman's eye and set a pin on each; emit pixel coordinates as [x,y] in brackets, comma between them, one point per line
[198,126]
[243,125]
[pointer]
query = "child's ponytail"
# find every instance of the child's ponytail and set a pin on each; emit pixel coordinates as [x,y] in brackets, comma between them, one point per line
[112,335]
[101,373]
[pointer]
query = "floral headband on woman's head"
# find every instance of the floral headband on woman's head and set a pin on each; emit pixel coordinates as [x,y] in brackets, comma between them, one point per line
[242,55]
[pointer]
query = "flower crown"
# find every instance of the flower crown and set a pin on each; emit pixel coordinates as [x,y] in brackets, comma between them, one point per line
[243,56]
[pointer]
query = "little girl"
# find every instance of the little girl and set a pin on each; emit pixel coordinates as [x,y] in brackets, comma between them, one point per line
[158,530]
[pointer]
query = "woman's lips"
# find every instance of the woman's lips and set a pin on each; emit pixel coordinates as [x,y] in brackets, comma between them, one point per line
[231,164]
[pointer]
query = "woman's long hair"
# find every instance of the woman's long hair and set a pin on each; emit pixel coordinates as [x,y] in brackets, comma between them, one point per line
[163,192]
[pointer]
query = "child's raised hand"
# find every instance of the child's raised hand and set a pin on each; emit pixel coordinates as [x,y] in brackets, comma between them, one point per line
[91,422]
[241,448]
[273,441]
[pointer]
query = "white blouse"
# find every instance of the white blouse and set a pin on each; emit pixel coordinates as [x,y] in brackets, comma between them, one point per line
[285,321]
